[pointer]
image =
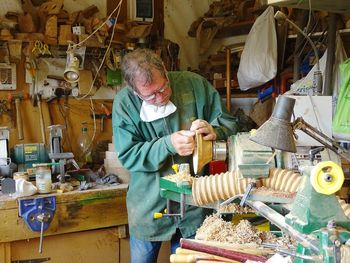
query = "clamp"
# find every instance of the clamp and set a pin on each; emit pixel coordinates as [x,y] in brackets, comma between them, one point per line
[37,214]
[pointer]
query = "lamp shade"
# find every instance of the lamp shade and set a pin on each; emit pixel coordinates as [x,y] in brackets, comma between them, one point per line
[71,73]
[277,131]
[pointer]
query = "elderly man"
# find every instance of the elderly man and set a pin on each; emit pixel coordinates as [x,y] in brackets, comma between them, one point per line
[155,117]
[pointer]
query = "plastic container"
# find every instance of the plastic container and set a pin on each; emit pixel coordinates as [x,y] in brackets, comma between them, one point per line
[83,146]
[43,179]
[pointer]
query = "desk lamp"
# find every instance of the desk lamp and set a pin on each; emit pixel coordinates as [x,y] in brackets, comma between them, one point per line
[316,214]
[278,131]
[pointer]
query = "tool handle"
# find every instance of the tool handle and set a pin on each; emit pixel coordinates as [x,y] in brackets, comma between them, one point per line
[174,258]
[105,109]
[41,119]
[41,237]
[19,119]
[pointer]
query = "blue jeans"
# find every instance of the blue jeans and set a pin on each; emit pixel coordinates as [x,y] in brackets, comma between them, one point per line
[147,251]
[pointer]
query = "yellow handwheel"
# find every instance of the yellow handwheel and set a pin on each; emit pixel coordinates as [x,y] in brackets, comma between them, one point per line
[327,177]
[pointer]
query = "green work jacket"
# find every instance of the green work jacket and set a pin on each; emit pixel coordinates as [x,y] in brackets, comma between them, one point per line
[146,151]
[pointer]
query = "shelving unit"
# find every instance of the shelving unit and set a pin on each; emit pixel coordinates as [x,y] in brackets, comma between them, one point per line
[337,6]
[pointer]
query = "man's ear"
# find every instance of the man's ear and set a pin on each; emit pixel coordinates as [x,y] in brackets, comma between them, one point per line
[165,70]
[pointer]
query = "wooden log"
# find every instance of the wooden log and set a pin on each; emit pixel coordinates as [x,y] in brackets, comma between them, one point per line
[65,34]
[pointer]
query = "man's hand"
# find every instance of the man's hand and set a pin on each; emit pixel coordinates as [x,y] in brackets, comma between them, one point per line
[204,128]
[183,142]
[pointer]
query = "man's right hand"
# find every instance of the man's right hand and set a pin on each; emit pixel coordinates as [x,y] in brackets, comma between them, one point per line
[183,142]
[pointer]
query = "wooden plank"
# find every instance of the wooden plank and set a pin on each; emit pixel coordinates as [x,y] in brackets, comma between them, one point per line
[8,202]
[326,5]
[75,211]
[93,246]
[239,28]
[5,252]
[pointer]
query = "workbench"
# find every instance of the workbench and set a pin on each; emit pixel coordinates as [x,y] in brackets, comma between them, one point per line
[87,227]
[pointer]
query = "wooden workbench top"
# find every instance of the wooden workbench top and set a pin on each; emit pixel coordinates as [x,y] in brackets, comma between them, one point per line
[101,207]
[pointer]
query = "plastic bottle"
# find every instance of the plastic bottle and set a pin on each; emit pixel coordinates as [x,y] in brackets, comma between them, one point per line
[43,179]
[83,146]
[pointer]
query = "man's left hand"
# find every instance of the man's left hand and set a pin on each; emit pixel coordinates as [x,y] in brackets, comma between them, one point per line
[203,127]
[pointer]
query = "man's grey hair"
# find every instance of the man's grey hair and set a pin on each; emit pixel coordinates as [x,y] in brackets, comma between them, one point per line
[138,65]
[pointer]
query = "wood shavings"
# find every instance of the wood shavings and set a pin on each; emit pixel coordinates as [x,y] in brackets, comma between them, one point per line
[235,208]
[216,229]
[180,178]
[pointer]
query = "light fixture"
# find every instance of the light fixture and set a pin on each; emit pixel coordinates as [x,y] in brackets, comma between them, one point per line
[71,73]
[317,81]
[278,132]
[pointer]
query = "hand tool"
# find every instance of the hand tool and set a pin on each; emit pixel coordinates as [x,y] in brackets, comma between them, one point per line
[36,97]
[41,118]
[102,117]
[34,260]
[32,68]
[17,98]
[234,255]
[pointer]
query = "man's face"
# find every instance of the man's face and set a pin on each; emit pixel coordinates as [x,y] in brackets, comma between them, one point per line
[156,93]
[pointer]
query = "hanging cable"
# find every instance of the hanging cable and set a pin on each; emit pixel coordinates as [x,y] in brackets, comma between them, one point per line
[92,109]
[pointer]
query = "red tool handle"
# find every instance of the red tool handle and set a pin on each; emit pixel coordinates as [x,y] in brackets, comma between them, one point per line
[235,255]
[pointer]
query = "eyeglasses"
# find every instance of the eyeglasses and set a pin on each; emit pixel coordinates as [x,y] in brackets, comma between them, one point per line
[154,94]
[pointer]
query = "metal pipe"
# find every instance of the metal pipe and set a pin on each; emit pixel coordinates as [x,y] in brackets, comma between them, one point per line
[228,79]
[332,25]
[302,19]
[279,220]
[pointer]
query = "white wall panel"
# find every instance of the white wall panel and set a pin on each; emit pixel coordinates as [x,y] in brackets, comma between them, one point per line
[178,17]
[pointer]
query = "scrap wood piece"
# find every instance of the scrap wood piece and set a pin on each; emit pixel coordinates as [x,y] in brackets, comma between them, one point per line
[90,11]
[26,23]
[29,8]
[52,7]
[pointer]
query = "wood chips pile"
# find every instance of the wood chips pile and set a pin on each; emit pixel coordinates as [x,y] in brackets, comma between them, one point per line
[216,229]
[235,208]
[179,178]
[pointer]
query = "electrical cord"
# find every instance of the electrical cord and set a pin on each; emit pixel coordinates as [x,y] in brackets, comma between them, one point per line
[92,109]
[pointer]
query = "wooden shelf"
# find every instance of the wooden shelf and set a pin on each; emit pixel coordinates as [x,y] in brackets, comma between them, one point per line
[338,6]
[237,93]
[240,28]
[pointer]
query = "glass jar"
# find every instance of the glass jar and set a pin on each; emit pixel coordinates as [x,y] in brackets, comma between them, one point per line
[43,179]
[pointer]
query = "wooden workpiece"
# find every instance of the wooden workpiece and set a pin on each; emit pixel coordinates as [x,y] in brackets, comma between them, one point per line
[85,223]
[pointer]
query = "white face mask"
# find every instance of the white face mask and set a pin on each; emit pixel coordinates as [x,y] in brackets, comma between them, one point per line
[151,112]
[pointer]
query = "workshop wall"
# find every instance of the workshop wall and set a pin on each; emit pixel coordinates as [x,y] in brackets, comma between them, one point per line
[178,16]
[58,111]
[66,110]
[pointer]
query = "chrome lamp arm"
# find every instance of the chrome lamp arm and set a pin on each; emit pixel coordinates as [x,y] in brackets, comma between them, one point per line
[322,138]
